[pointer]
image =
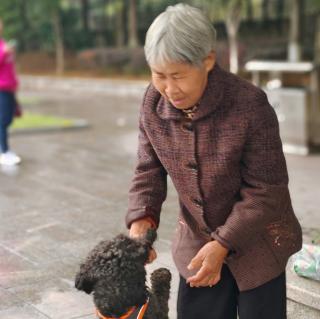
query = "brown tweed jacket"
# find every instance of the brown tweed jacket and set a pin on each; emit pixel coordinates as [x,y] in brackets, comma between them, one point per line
[229,171]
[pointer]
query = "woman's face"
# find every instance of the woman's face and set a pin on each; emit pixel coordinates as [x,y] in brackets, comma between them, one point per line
[182,83]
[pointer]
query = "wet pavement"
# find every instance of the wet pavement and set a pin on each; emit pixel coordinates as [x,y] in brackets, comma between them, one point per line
[71,192]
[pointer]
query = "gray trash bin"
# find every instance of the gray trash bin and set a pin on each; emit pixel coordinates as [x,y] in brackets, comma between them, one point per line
[291,106]
[297,108]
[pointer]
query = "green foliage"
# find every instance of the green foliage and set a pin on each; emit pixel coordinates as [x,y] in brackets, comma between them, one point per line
[313,6]
[30,22]
[10,15]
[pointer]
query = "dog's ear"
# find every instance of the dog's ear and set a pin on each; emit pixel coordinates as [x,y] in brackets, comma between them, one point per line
[82,282]
[150,237]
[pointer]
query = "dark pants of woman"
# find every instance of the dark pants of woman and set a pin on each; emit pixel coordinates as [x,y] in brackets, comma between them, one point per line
[7,108]
[223,300]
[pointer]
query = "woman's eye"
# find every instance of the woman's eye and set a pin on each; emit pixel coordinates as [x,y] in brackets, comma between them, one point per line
[159,76]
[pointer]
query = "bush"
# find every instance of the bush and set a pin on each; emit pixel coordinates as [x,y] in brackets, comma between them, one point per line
[117,59]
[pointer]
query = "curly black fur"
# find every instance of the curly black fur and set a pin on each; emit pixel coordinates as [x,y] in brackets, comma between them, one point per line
[115,272]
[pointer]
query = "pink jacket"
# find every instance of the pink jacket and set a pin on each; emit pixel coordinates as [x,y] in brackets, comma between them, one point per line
[8,78]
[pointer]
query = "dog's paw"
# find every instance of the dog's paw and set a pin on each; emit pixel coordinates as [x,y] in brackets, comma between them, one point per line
[160,281]
[161,274]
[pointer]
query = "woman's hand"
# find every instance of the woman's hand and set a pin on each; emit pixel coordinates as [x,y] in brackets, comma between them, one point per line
[209,261]
[139,229]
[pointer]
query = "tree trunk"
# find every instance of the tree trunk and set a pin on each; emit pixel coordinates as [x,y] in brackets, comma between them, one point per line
[85,14]
[249,10]
[120,30]
[233,48]
[265,11]
[317,41]
[232,25]
[280,10]
[302,11]
[23,41]
[58,36]
[132,25]
[294,46]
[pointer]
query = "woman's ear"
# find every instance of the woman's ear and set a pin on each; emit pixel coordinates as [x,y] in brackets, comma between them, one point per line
[210,61]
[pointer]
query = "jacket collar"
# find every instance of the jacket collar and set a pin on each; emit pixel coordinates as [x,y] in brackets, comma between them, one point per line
[208,103]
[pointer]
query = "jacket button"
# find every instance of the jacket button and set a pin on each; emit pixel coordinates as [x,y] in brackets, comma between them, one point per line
[187,126]
[192,165]
[198,202]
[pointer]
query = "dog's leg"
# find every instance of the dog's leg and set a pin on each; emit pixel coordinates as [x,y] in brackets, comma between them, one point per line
[160,285]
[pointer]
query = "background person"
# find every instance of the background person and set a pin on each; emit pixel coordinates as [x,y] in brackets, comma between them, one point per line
[8,87]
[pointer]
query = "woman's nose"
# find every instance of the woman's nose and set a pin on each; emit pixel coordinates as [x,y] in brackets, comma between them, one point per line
[171,89]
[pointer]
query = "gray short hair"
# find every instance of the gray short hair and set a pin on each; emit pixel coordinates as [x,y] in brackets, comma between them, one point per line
[180,34]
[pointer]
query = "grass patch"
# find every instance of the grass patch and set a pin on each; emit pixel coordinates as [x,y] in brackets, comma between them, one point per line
[28,100]
[40,121]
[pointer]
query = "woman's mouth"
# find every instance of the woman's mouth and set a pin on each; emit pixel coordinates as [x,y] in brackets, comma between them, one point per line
[177,102]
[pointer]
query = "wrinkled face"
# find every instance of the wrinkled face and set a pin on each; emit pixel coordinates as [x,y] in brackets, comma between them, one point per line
[182,83]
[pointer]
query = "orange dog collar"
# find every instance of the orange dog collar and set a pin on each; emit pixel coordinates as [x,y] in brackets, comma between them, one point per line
[133,313]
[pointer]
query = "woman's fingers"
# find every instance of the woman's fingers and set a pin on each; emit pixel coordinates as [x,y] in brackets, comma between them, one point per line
[152,256]
[206,276]
[196,262]
[214,280]
[201,275]
[210,260]
[210,281]
[138,230]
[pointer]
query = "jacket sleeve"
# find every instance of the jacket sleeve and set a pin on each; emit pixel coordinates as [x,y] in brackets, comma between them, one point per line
[264,194]
[2,53]
[149,185]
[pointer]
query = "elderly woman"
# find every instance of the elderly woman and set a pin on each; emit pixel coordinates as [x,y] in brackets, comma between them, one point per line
[217,137]
[8,86]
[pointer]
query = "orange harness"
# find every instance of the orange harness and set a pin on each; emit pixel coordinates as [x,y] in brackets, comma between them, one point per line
[133,313]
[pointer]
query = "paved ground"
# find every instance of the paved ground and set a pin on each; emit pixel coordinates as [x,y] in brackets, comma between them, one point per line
[71,191]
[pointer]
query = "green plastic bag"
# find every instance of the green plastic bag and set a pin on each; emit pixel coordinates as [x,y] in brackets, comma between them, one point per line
[306,262]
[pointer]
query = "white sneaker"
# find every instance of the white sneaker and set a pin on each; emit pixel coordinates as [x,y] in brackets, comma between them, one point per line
[9,158]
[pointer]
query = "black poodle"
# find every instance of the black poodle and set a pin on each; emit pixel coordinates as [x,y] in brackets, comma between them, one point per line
[115,272]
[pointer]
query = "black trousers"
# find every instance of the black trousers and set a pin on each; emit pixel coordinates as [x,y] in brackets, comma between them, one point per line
[224,301]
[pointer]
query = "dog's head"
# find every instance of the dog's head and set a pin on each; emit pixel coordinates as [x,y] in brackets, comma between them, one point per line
[114,272]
